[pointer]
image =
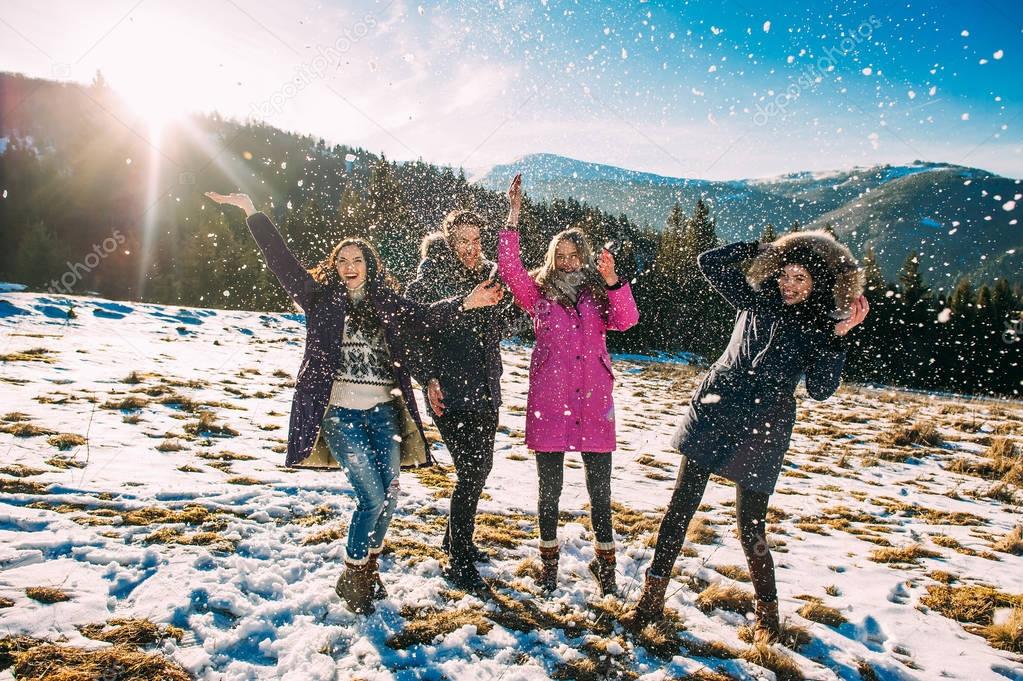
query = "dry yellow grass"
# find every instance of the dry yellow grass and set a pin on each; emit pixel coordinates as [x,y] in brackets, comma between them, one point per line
[783,666]
[65,441]
[1002,462]
[65,663]
[971,603]
[136,632]
[1011,542]
[423,626]
[919,433]
[46,594]
[902,554]
[726,597]
[822,614]
[1007,635]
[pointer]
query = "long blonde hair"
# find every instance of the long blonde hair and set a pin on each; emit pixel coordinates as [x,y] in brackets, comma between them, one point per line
[592,281]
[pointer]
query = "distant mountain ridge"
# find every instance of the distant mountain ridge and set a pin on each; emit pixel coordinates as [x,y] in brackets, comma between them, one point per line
[964,220]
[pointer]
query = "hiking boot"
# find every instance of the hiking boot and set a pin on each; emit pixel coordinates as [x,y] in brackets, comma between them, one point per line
[650,607]
[768,626]
[603,570]
[549,556]
[355,587]
[379,590]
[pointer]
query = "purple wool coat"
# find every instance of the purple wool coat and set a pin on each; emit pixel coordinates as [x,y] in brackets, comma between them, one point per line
[570,407]
[408,328]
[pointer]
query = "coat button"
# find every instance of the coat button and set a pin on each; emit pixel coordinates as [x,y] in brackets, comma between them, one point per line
[578,356]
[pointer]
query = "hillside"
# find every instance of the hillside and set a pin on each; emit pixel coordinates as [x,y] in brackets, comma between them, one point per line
[143,480]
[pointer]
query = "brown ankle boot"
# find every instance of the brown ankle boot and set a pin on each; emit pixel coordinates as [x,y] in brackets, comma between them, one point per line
[379,590]
[768,626]
[603,570]
[355,587]
[549,556]
[650,607]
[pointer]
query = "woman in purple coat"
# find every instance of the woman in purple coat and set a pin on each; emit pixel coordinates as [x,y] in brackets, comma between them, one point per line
[574,302]
[353,394]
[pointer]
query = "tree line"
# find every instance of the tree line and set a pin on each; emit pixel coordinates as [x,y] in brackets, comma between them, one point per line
[77,168]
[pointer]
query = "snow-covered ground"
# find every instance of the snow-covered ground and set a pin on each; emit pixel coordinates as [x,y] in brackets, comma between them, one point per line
[158,516]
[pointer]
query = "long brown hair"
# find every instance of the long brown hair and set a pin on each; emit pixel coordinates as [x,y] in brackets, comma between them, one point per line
[592,281]
[325,271]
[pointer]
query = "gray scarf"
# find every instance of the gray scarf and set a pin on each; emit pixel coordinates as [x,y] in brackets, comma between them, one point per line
[567,284]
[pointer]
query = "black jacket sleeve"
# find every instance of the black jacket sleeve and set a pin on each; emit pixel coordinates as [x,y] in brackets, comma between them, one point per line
[295,279]
[720,267]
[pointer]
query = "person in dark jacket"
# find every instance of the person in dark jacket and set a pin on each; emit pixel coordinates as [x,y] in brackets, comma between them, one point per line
[800,297]
[463,390]
[353,394]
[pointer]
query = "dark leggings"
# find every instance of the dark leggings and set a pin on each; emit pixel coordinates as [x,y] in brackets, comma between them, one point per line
[469,436]
[750,514]
[550,471]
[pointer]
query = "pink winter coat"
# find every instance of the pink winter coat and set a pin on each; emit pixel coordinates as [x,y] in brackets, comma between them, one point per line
[570,407]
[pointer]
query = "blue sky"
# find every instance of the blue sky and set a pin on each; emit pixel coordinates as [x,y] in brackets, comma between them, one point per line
[715,90]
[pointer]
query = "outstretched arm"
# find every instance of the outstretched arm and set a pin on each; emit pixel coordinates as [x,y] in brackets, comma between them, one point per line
[509,256]
[295,279]
[720,267]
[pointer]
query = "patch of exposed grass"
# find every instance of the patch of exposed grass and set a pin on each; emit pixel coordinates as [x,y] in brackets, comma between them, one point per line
[437,477]
[1002,462]
[63,463]
[647,460]
[902,554]
[1007,635]
[207,426]
[46,594]
[822,614]
[503,530]
[1011,542]
[18,470]
[326,536]
[631,523]
[189,515]
[130,403]
[24,429]
[726,597]
[14,417]
[243,480]
[736,572]
[21,487]
[189,469]
[412,550]
[972,603]
[225,456]
[423,626]
[135,632]
[212,540]
[30,355]
[170,445]
[768,657]
[920,433]
[66,441]
[66,663]
[701,532]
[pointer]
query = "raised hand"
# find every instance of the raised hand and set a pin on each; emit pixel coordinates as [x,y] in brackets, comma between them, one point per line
[515,199]
[485,294]
[606,267]
[860,308]
[240,200]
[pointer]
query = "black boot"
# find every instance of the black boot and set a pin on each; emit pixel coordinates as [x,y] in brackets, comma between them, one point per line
[465,576]
[549,556]
[475,553]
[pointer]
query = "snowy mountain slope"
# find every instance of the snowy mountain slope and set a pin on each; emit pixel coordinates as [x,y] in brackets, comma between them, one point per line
[191,521]
[897,208]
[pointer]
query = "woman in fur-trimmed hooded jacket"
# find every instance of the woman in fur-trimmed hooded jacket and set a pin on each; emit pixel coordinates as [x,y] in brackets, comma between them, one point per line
[800,297]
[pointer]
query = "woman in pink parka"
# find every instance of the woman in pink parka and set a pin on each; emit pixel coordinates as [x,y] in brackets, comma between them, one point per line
[573,302]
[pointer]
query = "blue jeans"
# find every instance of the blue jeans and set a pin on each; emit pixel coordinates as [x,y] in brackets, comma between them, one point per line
[367,445]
